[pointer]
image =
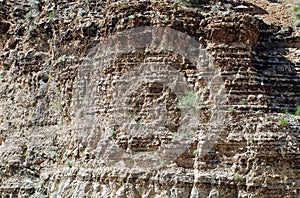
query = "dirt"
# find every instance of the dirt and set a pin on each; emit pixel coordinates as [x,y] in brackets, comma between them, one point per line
[277,12]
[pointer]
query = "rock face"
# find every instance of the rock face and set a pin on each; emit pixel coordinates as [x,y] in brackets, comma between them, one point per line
[51,146]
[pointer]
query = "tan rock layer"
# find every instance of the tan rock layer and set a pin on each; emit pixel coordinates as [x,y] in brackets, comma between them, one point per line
[256,154]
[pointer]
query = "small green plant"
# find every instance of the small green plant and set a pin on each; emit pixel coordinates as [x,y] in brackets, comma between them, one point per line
[56,104]
[296,11]
[297,24]
[62,59]
[28,152]
[113,133]
[283,121]
[51,15]
[34,3]
[164,18]
[53,154]
[29,15]
[237,177]
[33,103]
[98,57]
[231,109]
[252,139]
[58,88]
[285,111]
[297,113]
[69,164]
[195,152]
[130,17]
[118,27]
[244,100]
[38,181]
[227,189]
[135,118]
[188,100]
[25,154]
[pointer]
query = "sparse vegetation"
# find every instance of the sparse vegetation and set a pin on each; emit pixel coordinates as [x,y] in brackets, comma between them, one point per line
[62,59]
[118,27]
[227,189]
[136,118]
[188,100]
[69,164]
[195,152]
[297,113]
[56,105]
[164,18]
[131,17]
[237,177]
[54,154]
[243,100]
[283,121]
[113,133]
[296,11]
[29,15]
[231,109]
[51,15]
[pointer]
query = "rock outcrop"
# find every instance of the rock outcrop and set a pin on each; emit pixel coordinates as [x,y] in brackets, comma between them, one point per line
[51,146]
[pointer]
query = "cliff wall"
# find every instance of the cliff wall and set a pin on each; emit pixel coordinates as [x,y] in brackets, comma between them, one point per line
[63,84]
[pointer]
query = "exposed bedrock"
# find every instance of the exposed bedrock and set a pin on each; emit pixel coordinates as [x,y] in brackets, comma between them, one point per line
[87,113]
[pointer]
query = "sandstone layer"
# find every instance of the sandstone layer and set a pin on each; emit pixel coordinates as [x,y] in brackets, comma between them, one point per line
[49,149]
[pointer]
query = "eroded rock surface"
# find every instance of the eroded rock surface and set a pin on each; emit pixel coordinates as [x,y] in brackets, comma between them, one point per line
[48,150]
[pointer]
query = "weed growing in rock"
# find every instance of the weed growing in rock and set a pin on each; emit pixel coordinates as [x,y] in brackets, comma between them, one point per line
[175,140]
[113,133]
[227,189]
[54,154]
[34,3]
[231,109]
[56,105]
[252,139]
[296,11]
[283,121]
[297,113]
[130,17]
[135,118]
[286,112]
[188,100]
[118,27]
[69,164]
[50,15]
[29,15]
[164,18]
[62,59]
[237,177]
[195,152]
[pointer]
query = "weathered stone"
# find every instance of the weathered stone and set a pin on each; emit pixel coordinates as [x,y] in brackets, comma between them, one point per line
[45,153]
